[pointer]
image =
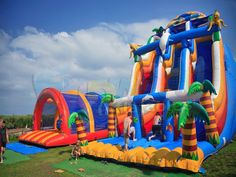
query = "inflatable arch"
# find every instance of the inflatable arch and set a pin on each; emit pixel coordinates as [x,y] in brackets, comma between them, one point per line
[62,108]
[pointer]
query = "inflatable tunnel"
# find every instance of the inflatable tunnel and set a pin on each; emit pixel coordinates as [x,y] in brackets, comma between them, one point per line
[52,105]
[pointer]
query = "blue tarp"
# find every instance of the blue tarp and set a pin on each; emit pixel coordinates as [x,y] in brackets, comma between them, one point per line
[24,148]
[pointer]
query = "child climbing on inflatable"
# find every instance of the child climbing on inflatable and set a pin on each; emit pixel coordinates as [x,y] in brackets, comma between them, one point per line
[128,130]
[76,151]
[156,127]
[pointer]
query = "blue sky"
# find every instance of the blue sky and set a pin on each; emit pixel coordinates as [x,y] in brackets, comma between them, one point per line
[61,15]
[71,44]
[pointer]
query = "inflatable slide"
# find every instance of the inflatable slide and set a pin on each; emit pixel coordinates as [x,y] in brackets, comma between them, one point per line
[190,51]
[183,67]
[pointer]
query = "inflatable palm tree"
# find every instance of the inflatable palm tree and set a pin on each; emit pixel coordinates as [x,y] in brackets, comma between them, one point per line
[207,88]
[187,111]
[159,31]
[109,98]
[79,118]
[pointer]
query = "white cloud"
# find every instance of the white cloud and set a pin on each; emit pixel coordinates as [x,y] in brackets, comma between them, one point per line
[136,32]
[4,41]
[65,60]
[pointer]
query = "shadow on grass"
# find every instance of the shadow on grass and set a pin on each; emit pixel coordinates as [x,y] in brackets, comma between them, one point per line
[230,175]
[63,152]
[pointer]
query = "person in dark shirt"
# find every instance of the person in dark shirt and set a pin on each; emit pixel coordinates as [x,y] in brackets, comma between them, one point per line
[156,127]
[3,139]
[59,123]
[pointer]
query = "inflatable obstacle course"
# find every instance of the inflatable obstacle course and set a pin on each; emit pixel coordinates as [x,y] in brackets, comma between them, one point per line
[184,63]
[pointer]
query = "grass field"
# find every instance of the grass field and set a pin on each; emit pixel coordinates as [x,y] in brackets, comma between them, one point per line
[44,164]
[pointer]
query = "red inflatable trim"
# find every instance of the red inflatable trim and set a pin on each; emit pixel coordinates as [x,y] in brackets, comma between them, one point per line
[60,102]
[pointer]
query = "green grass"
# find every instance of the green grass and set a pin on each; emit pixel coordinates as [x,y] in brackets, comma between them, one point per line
[39,165]
[13,157]
[44,164]
[99,169]
[223,163]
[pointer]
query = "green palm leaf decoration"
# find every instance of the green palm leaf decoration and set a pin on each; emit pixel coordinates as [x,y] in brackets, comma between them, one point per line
[207,86]
[155,30]
[199,111]
[204,87]
[72,118]
[186,110]
[107,98]
[174,109]
[195,88]
[183,115]
[81,114]
[149,39]
[158,30]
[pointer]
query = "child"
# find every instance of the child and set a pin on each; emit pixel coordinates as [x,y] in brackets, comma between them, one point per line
[3,139]
[128,130]
[58,124]
[76,151]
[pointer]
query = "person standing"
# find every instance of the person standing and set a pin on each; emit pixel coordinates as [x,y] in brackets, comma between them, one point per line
[128,130]
[156,127]
[3,139]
